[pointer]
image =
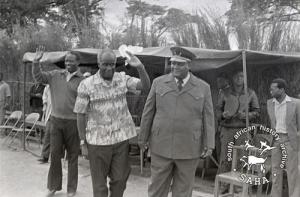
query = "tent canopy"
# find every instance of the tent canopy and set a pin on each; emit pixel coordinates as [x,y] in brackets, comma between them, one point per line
[206,59]
[202,59]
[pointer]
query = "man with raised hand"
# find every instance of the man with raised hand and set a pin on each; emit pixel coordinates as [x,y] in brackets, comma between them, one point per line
[105,124]
[63,87]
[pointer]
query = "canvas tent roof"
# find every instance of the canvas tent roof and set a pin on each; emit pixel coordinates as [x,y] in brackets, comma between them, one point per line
[202,59]
[206,59]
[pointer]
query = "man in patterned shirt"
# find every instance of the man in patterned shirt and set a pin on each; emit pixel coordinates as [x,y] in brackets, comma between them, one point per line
[109,126]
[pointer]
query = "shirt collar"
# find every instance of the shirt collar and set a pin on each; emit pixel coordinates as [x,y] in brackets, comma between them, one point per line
[70,75]
[185,80]
[285,100]
[233,92]
[99,80]
[77,73]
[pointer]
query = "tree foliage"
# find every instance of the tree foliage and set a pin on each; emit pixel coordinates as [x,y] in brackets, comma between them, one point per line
[69,12]
[204,29]
[265,25]
[263,11]
[139,14]
[25,12]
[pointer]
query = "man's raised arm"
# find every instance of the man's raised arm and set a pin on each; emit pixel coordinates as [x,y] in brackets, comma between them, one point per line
[37,74]
[145,83]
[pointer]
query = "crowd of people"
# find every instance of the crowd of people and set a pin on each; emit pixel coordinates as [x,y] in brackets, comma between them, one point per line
[90,113]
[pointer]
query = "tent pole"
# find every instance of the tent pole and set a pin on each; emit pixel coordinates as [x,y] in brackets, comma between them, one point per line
[245,87]
[24,103]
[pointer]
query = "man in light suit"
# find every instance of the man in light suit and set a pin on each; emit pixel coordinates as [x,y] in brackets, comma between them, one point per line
[178,122]
[284,114]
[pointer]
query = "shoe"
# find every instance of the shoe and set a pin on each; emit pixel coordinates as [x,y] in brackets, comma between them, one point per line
[71,194]
[43,160]
[51,193]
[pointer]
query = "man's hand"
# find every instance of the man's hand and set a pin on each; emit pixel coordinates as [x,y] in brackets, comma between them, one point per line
[206,153]
[39,53]
[134,61]
[226,115]
[84,150]
[143,146]
[241,115]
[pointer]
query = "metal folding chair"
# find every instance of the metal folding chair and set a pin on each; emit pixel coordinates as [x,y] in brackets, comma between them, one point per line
[11,123]
[29,124]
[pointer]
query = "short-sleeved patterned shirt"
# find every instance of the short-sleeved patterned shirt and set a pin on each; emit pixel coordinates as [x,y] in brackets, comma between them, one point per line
[109,121]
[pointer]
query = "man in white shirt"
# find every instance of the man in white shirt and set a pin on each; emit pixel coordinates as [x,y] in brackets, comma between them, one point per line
[284,115]
[47,108]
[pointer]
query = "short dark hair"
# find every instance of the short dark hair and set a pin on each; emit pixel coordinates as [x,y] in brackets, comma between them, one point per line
[235,72]
[281,83]
[75,53]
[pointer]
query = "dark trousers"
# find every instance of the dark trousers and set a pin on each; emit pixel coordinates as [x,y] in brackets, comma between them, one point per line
[179,172]
[292,168]
[63,133]
[109,161]
[227,136]
[46,143]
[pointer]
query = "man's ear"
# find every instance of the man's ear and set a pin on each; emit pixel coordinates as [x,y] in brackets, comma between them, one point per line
[189,66]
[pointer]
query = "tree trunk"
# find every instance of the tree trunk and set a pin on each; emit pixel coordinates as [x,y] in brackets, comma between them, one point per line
[143,36]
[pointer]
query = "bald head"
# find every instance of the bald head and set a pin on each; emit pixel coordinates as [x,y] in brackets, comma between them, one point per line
[106,55]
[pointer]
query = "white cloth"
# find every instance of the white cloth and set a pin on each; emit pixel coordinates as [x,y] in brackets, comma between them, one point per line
[280,114]
[70,75]
[47,105]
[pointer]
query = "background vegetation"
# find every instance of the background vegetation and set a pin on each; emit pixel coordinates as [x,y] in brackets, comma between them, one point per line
[270,25]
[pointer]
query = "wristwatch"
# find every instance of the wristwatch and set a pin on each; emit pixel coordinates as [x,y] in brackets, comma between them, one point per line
[82,142]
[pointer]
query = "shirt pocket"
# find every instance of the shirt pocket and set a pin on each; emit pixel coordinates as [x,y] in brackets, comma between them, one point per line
[196,95]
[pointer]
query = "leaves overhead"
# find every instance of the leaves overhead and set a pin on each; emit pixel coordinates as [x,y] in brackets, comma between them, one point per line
[25,12]
[263,11]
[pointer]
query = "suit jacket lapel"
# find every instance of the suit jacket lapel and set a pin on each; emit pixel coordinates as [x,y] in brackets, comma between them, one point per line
[187,86]
[170,82]
[272,113]
[289,111]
